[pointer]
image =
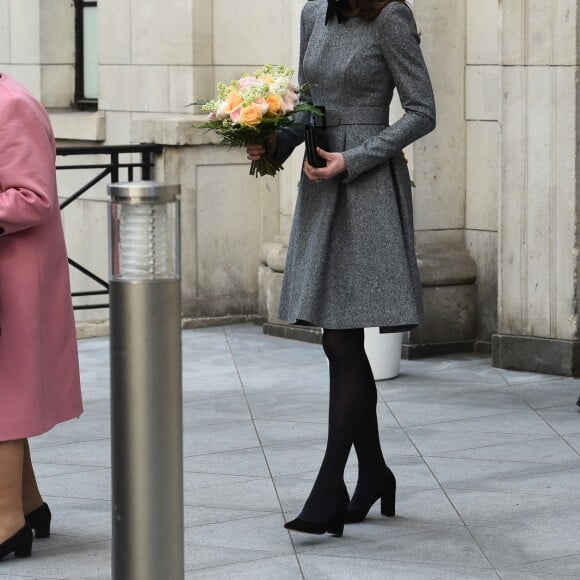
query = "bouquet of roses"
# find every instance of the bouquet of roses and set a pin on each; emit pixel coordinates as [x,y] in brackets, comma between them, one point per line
[250,109]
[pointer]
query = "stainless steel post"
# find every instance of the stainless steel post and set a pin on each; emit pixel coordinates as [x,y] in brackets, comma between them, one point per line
[146,398]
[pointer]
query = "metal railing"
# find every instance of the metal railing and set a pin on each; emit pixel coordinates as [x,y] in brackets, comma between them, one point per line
[117,163]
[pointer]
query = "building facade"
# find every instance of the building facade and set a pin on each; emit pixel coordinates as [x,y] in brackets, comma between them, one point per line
[496,183]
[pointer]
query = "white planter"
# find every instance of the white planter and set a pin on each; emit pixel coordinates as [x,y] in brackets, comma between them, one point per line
[384,353]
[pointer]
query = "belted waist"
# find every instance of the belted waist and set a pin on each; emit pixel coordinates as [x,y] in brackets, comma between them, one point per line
[356,116]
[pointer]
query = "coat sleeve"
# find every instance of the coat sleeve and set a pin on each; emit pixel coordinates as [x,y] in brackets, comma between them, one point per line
[288,138]
[27,167]
[399,42]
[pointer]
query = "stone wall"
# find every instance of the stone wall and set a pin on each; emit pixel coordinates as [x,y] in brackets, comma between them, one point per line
[226,217]
[483,110]
[538,253]
[37,47]
[439,199]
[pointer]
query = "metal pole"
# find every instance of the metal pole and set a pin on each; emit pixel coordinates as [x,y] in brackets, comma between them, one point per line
[146,429]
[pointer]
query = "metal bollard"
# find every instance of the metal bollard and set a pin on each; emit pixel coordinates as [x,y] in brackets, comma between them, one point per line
[146,394]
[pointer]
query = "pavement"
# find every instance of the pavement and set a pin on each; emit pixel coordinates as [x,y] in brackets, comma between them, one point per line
[487,462]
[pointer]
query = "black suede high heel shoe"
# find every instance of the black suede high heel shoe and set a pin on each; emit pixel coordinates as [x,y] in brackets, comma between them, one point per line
[20,543]
[386,492]
[334,526]
[39,521]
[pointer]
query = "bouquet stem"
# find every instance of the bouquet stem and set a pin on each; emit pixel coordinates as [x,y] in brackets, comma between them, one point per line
[265,166]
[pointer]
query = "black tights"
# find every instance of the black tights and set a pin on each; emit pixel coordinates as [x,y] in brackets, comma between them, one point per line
[352,420]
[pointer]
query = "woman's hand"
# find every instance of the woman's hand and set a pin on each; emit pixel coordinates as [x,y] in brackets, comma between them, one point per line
[335,165]
[255,151]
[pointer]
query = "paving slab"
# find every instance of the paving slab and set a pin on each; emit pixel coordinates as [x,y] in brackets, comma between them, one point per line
[506,476]
[281,568]
[547,394]
[249,462]
[447,546]
[563,565]
[336,568]
[510,546]
[215,560]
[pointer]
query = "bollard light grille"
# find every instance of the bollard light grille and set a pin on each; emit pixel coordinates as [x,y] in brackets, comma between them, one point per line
[144,217]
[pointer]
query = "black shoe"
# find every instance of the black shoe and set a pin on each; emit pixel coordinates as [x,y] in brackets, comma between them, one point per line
[386,492]
[20,543]
[39,521]
[334,526]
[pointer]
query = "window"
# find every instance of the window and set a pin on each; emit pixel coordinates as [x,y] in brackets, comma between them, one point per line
[87,54]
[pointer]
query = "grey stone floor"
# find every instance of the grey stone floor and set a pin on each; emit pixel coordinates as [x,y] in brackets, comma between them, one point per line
[487,462]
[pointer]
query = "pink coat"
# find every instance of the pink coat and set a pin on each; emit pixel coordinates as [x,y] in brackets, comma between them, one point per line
[39,371]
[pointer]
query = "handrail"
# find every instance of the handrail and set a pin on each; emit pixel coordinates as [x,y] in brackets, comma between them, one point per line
[108,149]
[113,169]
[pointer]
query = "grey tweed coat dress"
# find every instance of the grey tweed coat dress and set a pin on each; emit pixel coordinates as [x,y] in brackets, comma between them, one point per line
[351,258]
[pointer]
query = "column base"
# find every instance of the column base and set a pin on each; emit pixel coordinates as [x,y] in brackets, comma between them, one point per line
[294,331]
[417,351]
[539,355]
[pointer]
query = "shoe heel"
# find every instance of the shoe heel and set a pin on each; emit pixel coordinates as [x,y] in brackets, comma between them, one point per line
[387,507]
[336,529]
[388,501]
[24,550]
[43,531]
[39,520]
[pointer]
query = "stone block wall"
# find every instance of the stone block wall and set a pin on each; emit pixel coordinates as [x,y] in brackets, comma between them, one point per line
[439,199]
[483,111]
[439,158]
[226,217]
[538,253]
[37,47]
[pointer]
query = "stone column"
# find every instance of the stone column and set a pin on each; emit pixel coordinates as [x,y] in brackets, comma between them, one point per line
[448,273]
[538,255]
[483,110]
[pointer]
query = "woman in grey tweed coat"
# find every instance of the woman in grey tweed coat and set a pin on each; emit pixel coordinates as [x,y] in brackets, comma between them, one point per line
[351,259]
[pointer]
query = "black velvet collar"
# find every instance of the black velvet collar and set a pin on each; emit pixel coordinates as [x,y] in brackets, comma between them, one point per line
[334,9]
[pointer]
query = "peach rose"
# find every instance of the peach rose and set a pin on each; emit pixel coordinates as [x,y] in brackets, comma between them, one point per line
[233,100]
[250,116]
[274,104]
[235,114]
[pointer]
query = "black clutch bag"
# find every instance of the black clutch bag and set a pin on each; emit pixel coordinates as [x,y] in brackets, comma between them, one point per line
[315,136]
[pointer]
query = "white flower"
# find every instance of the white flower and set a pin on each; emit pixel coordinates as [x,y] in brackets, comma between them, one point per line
[221,112]
[279,86]
[262,105]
